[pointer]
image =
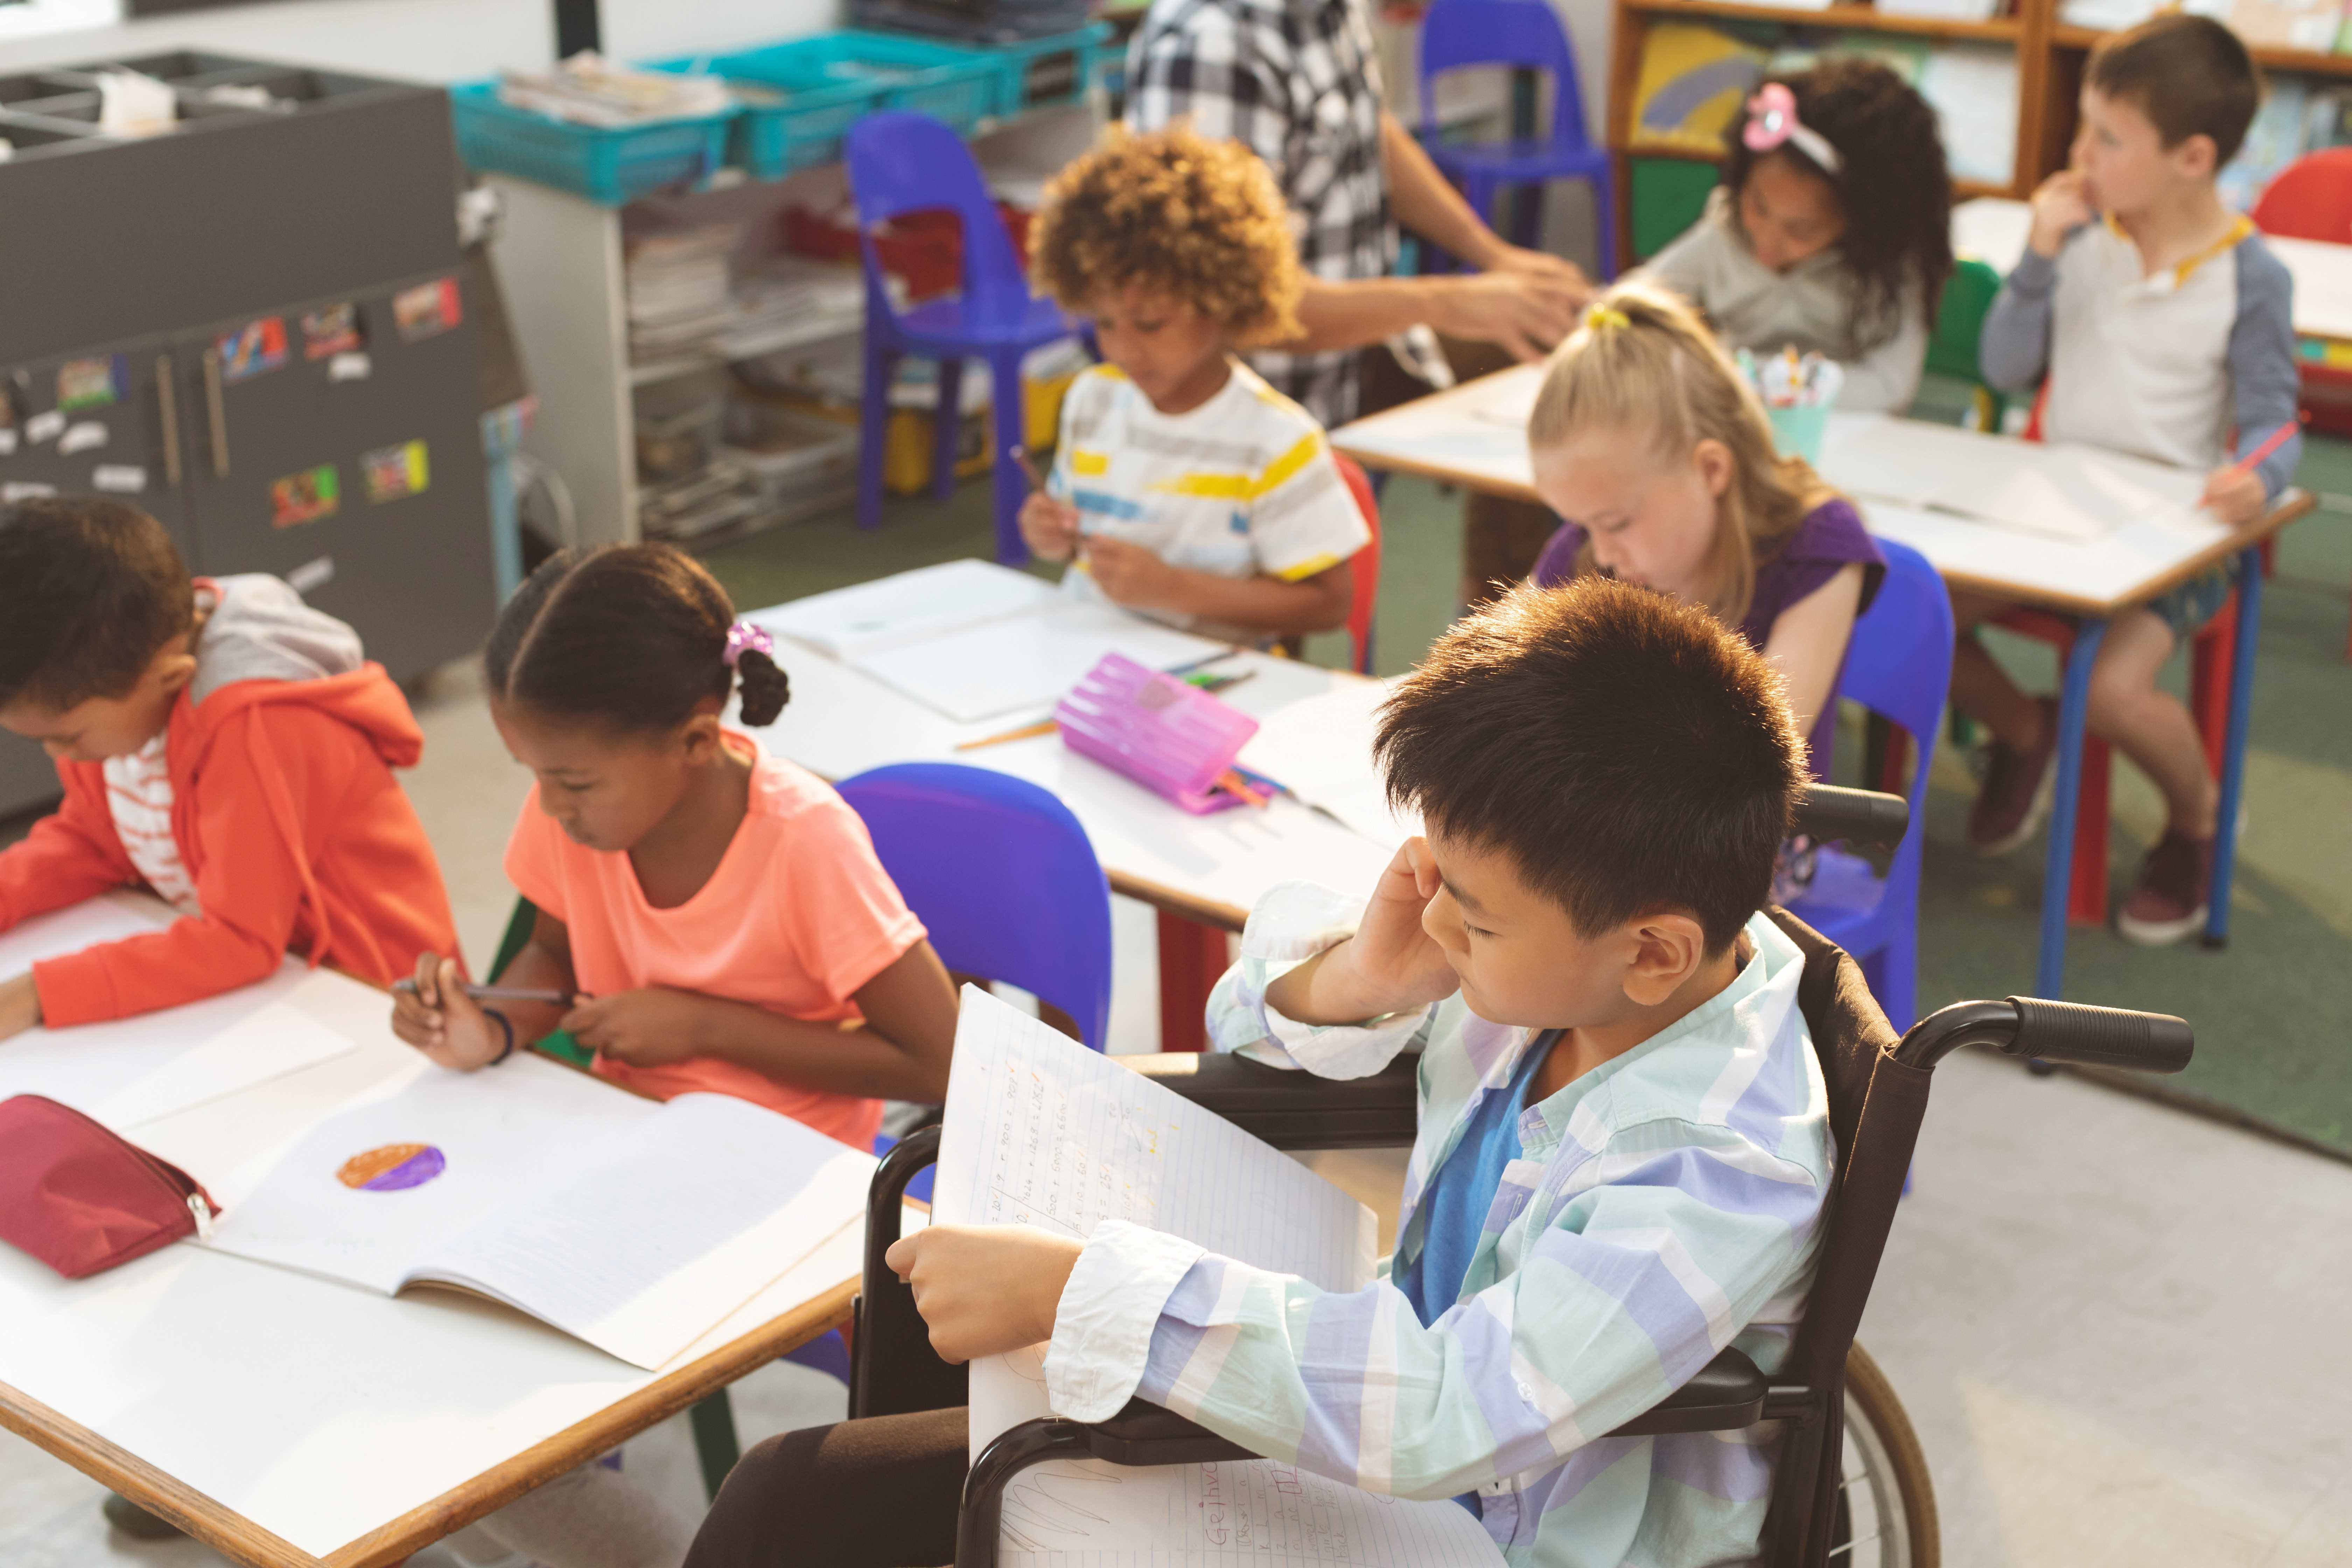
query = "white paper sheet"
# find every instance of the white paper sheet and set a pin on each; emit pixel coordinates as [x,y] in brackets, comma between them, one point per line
[1511,401]
[1040,1131]
[1027,663]
[278,1039]
[1321,748]
[909,606]
[2061,490]
[640,1244]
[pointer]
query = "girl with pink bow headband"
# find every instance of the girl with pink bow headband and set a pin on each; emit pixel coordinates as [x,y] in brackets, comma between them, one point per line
[1830,232]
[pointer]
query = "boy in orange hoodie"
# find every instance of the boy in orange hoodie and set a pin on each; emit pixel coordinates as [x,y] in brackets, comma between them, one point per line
[221,743]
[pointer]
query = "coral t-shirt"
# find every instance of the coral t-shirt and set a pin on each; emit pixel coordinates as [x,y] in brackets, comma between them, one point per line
[798,916]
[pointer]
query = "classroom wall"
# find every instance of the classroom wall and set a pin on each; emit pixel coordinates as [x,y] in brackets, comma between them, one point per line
[424,40]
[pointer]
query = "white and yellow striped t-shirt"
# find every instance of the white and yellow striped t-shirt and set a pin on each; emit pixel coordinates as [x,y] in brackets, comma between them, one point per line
[1242,486]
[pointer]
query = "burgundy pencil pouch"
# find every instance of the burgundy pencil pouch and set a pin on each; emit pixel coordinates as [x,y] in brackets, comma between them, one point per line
[80,1198]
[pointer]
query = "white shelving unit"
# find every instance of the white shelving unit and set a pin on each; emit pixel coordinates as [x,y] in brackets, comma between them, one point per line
[558,259]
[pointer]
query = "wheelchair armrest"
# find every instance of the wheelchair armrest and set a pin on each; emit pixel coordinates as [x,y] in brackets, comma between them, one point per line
[1293,1110]
[1727,1393]
[1148,1434]
[892,1368]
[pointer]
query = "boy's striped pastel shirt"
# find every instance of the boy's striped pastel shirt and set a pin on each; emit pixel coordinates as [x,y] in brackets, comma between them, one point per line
[1242,486]
[1666,1203]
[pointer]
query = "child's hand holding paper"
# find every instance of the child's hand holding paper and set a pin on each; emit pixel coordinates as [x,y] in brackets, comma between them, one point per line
[986,1289]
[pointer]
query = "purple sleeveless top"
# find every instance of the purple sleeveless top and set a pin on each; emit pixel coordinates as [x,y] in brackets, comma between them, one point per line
[1830,539]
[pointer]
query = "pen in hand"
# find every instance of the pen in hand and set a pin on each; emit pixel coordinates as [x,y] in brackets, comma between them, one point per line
[497,992]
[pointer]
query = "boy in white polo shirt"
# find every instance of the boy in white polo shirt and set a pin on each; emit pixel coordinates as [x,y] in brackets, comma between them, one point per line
[1187,487]
[2164,327]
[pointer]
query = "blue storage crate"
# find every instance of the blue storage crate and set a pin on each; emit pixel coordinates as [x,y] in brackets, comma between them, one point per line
[815,102]
[959,87]
[1039,73]
[612,165]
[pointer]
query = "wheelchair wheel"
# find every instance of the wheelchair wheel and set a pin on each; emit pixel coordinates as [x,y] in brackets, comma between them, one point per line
[1887,1506]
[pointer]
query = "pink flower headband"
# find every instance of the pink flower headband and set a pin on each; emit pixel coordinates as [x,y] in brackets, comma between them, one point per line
[743,635]
[1773,120]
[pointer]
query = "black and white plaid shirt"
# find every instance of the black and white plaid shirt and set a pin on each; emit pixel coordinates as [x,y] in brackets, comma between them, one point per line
[1298,82]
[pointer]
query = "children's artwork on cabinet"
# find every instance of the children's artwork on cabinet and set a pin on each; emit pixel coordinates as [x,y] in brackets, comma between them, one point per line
[393,472]
[305,497]
[7,439]
[43,427]
[252,349]
[350,367]
[85,436]
[120,478]
[13,492]
[426,311]
[98,382]
[332,332]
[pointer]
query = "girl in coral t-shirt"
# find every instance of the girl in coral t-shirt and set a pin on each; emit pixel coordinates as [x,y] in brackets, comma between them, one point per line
[719,913]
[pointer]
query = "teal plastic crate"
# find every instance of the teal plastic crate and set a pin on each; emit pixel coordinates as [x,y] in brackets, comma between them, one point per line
[609,165]
[794,102]
[1039,73]
[959,87]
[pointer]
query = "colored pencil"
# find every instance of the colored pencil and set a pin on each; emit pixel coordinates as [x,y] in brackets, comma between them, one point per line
[2245,464]
[496,993]
[1026,732]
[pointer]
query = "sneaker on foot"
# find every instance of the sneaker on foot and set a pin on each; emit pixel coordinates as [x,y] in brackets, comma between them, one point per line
[2176,883]
[2017,791]
[135,1521]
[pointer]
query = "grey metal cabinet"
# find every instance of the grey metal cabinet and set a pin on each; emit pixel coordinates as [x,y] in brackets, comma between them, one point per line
[256,327]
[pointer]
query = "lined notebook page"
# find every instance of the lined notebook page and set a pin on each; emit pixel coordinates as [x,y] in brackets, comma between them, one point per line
[1040,1131]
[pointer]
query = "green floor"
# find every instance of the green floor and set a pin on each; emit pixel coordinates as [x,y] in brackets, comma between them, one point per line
[2273,1011]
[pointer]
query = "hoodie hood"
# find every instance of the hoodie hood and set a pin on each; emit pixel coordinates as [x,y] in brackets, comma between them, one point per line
[263,646]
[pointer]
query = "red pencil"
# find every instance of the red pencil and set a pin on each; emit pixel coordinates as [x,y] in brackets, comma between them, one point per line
[2245,464]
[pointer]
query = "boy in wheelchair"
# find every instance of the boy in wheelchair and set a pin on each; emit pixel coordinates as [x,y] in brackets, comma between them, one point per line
[1623,1141]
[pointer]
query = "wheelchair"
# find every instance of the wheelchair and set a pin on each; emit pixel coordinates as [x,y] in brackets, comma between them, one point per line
[1851,1486]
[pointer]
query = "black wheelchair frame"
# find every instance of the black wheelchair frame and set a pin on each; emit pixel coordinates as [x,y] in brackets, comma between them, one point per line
[1877,1094]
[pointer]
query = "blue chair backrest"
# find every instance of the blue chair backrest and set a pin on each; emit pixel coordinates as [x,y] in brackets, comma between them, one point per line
[901,162]
[1898,663]
[1455,34]
[1001,874]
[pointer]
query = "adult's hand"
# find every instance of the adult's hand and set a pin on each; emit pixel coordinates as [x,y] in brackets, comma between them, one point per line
[1525,311]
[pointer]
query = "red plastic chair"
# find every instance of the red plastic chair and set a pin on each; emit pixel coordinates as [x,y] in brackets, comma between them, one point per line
[2212,657]
[2312,199]
[1364,566]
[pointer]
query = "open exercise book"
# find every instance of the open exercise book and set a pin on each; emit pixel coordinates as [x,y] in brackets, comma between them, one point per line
[1321,749]
[1040,1131]
[634,1225]
[972,640]
[2075,493]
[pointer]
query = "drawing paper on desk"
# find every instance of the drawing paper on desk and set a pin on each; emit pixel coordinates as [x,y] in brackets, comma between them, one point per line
[1510,402]
[1040,1131]
[911,607]
[633,1226]
[1026,664]
[1321,748]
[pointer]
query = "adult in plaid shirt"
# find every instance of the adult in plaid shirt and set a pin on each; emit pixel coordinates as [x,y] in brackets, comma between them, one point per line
[1297,82]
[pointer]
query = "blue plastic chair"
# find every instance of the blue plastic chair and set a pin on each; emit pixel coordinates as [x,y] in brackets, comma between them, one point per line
[900,162]
[1524,34]
[1007,884]
[1898,665]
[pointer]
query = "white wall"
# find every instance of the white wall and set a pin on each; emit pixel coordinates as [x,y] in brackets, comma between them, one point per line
[423,40]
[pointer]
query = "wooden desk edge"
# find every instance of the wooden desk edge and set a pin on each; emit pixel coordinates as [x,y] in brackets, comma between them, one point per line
[578,1444]
[207,1520]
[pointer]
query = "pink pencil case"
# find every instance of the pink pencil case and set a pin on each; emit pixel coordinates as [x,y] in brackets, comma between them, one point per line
[1171,738]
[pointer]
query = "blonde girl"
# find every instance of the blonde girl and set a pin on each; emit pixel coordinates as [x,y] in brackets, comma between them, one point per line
[1650,444]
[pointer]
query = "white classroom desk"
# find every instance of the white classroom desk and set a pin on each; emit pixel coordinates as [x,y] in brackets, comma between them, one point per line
[1457,436]
[1209,868]
[1993,229]
[290,1421]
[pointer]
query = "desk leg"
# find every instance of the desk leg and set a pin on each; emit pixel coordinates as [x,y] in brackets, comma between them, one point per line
[1191,956]
[2073,707]
[2233,754]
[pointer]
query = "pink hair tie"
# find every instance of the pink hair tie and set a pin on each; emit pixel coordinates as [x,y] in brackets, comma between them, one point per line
[743,635]
[1772,122]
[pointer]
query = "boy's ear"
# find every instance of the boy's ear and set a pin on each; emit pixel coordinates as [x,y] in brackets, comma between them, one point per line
[1716,466]
[1668,949]
[2194,157]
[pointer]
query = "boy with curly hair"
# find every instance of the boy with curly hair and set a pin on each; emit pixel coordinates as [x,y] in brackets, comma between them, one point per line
[1186,487]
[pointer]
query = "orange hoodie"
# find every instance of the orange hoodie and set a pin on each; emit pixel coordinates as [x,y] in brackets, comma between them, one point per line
[291,826]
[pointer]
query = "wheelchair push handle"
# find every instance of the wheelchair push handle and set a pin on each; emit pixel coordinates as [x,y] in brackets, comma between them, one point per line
[1828,812]
[2052,1031]
[2100,1036]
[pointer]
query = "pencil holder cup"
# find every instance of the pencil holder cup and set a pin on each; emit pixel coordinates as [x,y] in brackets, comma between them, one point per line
[1798,432]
